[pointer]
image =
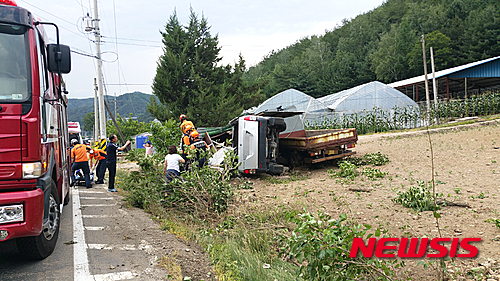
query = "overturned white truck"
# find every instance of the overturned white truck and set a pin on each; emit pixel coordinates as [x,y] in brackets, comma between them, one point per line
[267,142]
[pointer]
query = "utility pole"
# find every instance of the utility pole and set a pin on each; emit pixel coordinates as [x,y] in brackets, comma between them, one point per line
[425,73]
[97,34]
[434,86]
[96,117]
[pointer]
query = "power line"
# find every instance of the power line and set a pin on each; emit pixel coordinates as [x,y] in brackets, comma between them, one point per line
[132,44]
[87,55]
[138,40]
[124,84]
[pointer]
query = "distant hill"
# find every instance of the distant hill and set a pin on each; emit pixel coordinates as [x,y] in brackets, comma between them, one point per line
[135,103]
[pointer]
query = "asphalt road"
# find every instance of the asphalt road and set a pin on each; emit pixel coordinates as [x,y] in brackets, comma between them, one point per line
[98,240]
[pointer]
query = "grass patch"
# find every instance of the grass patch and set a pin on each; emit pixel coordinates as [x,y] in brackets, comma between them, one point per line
[240,242]
[173,269]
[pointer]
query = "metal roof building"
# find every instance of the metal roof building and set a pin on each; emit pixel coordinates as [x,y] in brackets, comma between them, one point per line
[456,82]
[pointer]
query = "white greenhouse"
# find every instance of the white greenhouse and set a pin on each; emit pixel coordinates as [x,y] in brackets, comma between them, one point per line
[367,97]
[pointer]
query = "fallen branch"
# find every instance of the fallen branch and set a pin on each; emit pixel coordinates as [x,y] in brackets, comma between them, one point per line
[444,202]
[360,189]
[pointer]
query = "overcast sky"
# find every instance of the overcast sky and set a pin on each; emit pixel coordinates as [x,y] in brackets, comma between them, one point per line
[131,37]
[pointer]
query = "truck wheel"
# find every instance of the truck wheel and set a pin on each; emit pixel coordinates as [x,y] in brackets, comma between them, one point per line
[41,246]
[67,198]
[279,124]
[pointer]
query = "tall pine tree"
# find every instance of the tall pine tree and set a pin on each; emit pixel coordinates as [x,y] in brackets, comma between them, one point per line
[189,79]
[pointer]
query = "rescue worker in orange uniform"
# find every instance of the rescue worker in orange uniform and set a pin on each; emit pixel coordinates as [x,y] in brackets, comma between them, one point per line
[186,142]
[80,160]
[100,156]
[185,123]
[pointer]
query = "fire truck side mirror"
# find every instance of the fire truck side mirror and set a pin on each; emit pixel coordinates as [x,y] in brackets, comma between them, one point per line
[59,55]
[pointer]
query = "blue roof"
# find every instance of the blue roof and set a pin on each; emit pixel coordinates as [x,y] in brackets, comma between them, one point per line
[479,69]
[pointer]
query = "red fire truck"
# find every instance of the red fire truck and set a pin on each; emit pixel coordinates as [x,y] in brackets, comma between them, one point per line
[34,148]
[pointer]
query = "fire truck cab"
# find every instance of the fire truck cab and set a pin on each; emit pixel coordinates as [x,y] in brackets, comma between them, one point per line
[34,146]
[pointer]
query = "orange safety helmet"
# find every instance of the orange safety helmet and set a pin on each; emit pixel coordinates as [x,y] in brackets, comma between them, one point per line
[182,117]
[194,134]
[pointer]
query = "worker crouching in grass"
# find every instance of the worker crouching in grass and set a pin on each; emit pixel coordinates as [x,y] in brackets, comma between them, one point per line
[171,165]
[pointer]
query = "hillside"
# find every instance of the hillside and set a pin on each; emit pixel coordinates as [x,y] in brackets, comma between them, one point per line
[385,45]
[135,103]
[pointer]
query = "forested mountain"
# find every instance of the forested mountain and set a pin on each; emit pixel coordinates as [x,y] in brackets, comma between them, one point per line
[134,103]
[385,45]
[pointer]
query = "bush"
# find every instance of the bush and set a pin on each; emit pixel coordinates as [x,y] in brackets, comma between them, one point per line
[206,191]
[347,171]
[419,198]
[163,136]
[348,167]
[202,192]
[375,159]
[146,187]
[321,247]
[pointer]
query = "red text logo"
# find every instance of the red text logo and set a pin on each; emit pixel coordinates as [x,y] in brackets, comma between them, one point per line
[413,247]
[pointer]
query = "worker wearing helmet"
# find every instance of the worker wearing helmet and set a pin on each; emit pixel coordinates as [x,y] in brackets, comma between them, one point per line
[185,142]
[200,147]
[185,137]
[185,123]
[80,160]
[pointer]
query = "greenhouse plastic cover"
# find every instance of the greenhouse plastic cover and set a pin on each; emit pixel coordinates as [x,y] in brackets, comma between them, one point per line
[366,97]
[292,100]
[359,99]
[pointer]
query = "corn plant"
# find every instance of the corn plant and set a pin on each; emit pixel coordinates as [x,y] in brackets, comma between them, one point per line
[377,120]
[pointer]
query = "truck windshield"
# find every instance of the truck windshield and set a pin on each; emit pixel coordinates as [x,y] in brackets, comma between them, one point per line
[13,64]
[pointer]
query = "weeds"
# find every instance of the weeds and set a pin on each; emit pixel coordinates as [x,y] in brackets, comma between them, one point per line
[375,159]
[419,197]
[494,221]
[348,169]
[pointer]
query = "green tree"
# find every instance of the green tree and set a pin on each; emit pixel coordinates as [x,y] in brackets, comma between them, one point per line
[440,44]
[389,62]
[189,79]
[88,122]
[129,127]
[482,33]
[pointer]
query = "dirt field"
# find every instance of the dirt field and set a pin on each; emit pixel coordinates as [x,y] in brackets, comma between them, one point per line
[467,170]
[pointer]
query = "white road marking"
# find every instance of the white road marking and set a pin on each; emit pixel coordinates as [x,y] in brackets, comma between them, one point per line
[94,227]
[111,247]
[91,191]
[80,259]
[99,205]
[114,276]
[97,216]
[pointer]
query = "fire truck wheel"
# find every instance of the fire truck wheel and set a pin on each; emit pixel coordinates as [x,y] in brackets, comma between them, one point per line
[41,246]
[67,198]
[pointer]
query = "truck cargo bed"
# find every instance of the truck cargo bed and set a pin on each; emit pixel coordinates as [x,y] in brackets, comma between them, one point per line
[320,139]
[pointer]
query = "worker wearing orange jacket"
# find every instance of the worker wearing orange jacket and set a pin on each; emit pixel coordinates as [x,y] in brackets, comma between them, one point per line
[186,142]
[100,156]
[80,160]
